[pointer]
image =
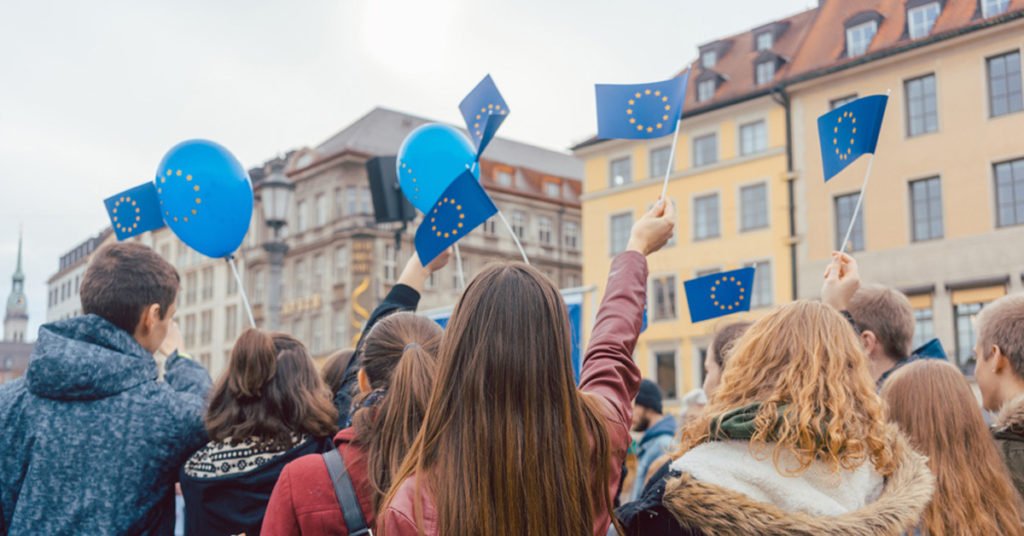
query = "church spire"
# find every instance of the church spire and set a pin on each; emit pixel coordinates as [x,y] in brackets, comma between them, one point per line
[16,316]
[18,274]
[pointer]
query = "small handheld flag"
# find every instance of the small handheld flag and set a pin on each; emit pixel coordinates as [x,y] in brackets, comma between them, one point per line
[850,131]
[640,111]
[462,207]
[720,294]
[134,211]
[484,110]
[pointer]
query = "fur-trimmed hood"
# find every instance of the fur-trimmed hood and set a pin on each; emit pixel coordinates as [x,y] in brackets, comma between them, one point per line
[713,509]
[1011,416]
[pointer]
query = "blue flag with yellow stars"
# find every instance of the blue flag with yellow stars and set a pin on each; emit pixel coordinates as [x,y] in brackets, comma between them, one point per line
[483,110]
[850,131]
[462,207]
[134,211]
[640,111]
[719,294]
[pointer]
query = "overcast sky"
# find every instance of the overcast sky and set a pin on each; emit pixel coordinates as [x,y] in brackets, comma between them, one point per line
[91,97]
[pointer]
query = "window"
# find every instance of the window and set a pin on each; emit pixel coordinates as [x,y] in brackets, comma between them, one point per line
[924,326]
[389,265]
[926,209]
[764,41]
[705,150]
[620,172]
[991,8]
[761,294]
[553,189]
[705,90]
[965,336]
[544,230]
[1004,84]
[1010,192]
[257,286]
[572,280]
[230,323]
[844,212]
[753,138]
[621,224]
[571,235]
[339,203]
[340,264]
[490,226]
[519,223]
[206,327]
[663,295]
[504,178]
[753,207]
[705,217]
[299,277]
[921,19]
[659,161]
[709,59]
[191,284]
[841,101]
[321,210]
[207,283]
[351,201]
[365,201]
[318,272]
[303,216]
[859,37]
[665,361]
[317,340]
[922,112]
[765,72]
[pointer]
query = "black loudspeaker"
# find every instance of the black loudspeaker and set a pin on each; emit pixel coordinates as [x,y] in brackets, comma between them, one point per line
[389,203]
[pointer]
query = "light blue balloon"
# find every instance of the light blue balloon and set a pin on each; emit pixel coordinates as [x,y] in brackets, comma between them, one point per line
[431,157]
[205,197]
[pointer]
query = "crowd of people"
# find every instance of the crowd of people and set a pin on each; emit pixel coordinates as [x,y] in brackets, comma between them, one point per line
[818,418]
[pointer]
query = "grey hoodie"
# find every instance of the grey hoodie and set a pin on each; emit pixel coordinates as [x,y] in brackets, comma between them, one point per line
[91,441]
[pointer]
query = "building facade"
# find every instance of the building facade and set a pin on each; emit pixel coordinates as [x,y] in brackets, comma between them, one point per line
[340,263]
[945,205]
[732,187]
[62,296]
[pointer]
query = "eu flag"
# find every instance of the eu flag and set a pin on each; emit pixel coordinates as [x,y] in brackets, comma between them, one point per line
[640,111]
[719,294]
[462,207]
[850,131]
[483,110]
[134,211]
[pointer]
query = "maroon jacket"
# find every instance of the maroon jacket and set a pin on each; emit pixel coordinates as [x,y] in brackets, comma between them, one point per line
[303,501]
[609,373]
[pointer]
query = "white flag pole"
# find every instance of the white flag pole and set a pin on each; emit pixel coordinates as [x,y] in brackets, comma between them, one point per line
[241,289]
[458,266]
[514,237]
[860,198]
[671,157]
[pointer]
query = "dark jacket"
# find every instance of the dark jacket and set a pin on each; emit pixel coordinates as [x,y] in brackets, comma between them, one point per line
[655,443]
[92,442]
[608,375]
[400,298]
[1009,433]
[227,493]
[304,501]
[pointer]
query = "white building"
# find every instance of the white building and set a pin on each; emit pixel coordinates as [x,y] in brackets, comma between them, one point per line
[62,299]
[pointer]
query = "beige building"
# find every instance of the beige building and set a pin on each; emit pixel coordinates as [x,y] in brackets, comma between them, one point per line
[340,264]
[942,218]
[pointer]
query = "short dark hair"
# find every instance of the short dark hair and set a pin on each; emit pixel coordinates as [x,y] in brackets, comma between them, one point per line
[124,279]
[887,313]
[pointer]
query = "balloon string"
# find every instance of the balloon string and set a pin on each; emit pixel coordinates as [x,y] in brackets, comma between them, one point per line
[241,289]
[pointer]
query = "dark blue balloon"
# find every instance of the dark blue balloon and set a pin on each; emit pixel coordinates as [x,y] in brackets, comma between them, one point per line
[205,197]
[430,159]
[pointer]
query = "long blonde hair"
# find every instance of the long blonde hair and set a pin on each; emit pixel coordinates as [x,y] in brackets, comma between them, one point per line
[932,403]
[805,368]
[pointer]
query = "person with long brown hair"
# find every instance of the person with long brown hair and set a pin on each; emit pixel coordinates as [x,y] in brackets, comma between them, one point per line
[268,408]
[396,376]
[932,403]
[509,445]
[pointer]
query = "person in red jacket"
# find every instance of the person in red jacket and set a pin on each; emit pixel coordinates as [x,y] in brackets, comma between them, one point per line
[395,379]
[509,445]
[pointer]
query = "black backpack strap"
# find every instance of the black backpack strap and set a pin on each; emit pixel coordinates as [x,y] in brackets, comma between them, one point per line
[346,494]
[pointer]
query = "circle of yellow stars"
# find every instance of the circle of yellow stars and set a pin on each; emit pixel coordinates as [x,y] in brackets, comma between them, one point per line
[490,109]
[647,93]
[835,135]
[722,304]
[124,221]
[454,231]
[173,174]
[415,186]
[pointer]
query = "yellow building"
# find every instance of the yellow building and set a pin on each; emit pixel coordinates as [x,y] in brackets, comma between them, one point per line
[942,218]
[731,185]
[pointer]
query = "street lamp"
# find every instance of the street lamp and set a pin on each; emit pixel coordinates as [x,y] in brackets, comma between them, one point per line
[276,194]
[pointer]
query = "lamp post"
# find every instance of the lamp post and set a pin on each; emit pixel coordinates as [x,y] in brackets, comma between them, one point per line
[276,194]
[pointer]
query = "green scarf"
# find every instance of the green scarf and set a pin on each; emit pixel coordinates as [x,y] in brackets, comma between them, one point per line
[739,423]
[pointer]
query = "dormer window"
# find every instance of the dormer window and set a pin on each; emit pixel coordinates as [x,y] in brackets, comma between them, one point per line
[765,72]
[991,8]
[709,59]
[706,90]
[921,18]
[859,37]
[764,41]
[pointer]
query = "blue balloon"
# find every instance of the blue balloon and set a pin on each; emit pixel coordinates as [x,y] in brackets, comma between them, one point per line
[431,157]
[205,197]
